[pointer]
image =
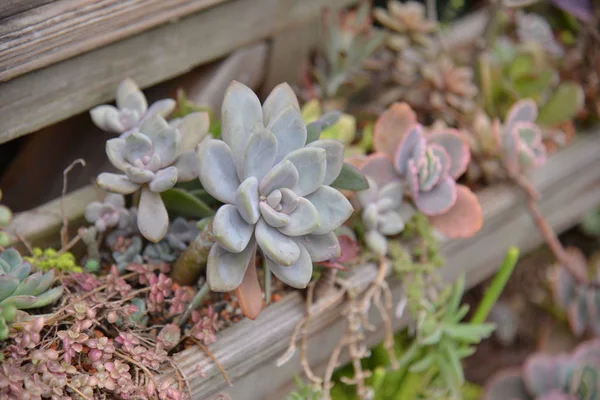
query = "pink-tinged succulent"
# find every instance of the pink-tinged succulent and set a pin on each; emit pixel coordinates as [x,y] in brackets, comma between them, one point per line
[519,139]
[276,190]
[153,159]
[205,326]
[349,249]
[109,213]
[428,165]
[169,336]
[551,377]
[580,300]
[131,110]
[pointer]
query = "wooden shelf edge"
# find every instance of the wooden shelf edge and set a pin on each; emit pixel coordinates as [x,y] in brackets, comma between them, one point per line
[247,350]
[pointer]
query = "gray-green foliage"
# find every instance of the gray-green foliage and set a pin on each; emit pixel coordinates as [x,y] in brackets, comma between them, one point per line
[22,290]
[275,188]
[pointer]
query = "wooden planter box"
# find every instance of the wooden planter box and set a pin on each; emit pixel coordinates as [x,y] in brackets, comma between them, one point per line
[60,58]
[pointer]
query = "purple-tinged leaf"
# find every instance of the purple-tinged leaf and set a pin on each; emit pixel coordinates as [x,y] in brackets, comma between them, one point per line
[463,219]
[457,147]
[391,128]
[439,199]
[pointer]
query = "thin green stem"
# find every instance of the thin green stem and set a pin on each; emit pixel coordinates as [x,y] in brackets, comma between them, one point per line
[195,303]
[497,286]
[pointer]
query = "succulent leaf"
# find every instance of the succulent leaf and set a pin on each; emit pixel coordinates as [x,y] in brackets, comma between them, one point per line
[320,247]
[259,154]
[392,126]
[290,131]
[296,275]
[334,158]
[181,202]
[350,178]
[225,270]
[222,181]
[311,164]
[463,219]
[152,218]
[563,105]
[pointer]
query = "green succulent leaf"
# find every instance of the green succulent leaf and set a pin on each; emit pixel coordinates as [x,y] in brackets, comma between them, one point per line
[315,128]
[48,297]
[522,66]
[565,103]
[181,202]
[350,179]
[3,329]
[8,284]
[423,364]
[20,302]
[468,333]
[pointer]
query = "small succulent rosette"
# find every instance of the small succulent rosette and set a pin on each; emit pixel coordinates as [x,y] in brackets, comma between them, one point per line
[22,290]
[551,377]
[275,190]
[153,159]
[428,164]
[109,213]
[519,138]
[384,212]
[131,110]
[408,23]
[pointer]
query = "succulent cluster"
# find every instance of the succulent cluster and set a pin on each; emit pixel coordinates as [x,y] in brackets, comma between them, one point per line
[580,300]
[275,190]
[109,213]
[153,158]
[551,377]
[428,166]
[49,259]
[22,290]
[131,110]
[407,23]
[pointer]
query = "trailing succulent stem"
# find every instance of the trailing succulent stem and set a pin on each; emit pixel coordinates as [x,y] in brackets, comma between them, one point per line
[192,261]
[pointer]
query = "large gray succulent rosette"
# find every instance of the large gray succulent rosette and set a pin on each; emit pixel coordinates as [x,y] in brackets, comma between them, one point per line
[275,190]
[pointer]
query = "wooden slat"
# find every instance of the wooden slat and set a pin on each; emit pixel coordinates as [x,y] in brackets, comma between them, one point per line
[12,7]
[248,349]
[40,98]
[62,29]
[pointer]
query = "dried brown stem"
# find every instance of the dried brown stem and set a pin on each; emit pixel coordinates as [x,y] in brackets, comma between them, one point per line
[304,339]
[64,231]
[214,359]
[137,364]
[73,388]
[325,283]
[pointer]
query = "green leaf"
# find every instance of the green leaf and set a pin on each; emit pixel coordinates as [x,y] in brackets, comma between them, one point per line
[423,364]
[565,103]
[522,66]
[469,333]
[454,360]
[315,128]
[534,86]
[204,197]
[350,179]
[180,202]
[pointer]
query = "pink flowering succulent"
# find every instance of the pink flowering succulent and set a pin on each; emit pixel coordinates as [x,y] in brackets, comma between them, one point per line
[205,327]
[428,164]
[519,139]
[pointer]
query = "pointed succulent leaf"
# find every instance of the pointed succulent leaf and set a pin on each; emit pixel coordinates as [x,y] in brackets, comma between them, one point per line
[411,148]
[333,209]
[275,245]
[320,247]
[129,96]
[116,183]
[115,150]
[44,283]
[259,154]
[577,313]
[311,165]
[181,202]
[563,105]
[456,146]
[187,166]
[20,302]
[240,113]
[303,220]
[316,128]
[296,275]
[12,258]
[524,110]
[193,128]
[392,126]
[28,285]
[47,297]
[164,180]
[166,145]
[370,217]
[334,156]
[350,178]
[153,125]
[138,175]
[217,171]
[21,271]
[225,270]
[230,230]
[137,146]
[249,293]
[281,97]
[463,219]
[439,199]
[8,284]
[274,218]
[282,175]
[246,200]
[152,218]
[290,131]
[163,107]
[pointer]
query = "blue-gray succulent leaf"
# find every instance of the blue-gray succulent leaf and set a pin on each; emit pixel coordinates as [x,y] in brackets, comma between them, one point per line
[303,220]
[281,97]
[230,230]
[334,155]
[139,175]
[107,118]
[390,223]
[296,275]
[376,242]
[320,247]
[12,258]
[116,183]
[187,166]
[44,283]
[274,218]
[246,200]
[275,245]
[311,165]
[47,297]
[259,154]
[193,128]
[8,284]
[289,200]
[282,175]
[290,130]
[368,196]
[138,148]
[218,173]
[152,218]
[225,270]
[130,97]
[333,208]
[164,180]
[166,145]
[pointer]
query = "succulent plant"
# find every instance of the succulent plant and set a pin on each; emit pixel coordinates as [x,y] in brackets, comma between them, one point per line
[132,254]
[349,40]
[429,166]
[384,212]
[109,213]
[343,129]
[49,259]
[408,22]
[534,28]
[131,110]
[581,9]
[275,187]
[154,158]
[160,252]
[21,290]
[181,233]
[519,139]
[580,300]
[551,377]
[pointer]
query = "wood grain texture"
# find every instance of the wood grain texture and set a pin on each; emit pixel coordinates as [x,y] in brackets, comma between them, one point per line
[248,349]
[40,98]
[12,7]
[62,29]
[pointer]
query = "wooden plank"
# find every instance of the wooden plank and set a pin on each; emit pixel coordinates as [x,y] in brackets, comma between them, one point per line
[248,349]
[40,98]
[12,7]
[62,29]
